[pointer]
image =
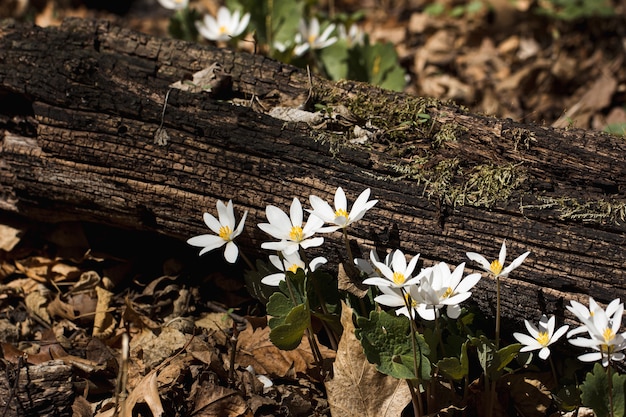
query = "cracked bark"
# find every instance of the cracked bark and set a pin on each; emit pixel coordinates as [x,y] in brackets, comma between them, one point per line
[80,104]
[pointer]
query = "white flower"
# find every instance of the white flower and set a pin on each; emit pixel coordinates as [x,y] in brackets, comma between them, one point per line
[353,36]
[604,337]
[291,262]
[310,38]
[340,217]
[396,276]
[290,229]
[581,312]
[226,26]
[400,297]
[540,337]
[497,267]
[224,229]
[366,267]
[174,4]
[439,287]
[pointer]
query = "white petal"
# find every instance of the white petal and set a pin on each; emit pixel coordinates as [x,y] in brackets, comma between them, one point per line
[212,223]
[311,243]
[502,255]
[526,340]
[517,262]
[476,257]
[295,212]
[389,300]
[340,199]
[321,209]
[544,353]
[398,262]
[590,357]
[231,252]
[273,279]
[468,283]
[559,333]
[239,229]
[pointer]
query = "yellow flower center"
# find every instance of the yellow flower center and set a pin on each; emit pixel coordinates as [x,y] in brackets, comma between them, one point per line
[225,232]
[608,335]
[293,268]
[543,338]
[341,213]
[496,267]
[448,293]
[223,29]
[398,278]
[311,39]
[296,234]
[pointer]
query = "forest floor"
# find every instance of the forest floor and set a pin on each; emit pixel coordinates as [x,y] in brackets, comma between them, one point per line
[194,331]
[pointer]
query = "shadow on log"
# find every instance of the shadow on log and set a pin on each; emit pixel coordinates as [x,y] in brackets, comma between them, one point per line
[80,106]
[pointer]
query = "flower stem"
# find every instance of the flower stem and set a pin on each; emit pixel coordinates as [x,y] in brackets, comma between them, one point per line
[610,386]
[247,261]
[416,398]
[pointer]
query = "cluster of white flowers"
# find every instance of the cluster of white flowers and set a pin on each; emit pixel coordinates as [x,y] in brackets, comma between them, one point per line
[401,286]
[423,293]
[291,231]
[602,326]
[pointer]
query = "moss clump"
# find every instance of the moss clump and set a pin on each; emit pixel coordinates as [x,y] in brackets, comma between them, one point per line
[447,132]
[455,185]
[596,211]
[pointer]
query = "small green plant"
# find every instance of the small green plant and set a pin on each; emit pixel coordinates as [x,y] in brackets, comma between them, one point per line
[289,31]
[574,9]
[410,321]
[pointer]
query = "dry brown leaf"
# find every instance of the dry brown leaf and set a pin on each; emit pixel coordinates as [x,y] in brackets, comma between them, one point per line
[103,323]
[255,348]
[84,304]
[146,391]
[64,272]
[357,388]
[36,303]
[131,315]
[217,324]
[59,308]
[217,401]
[9,237]
[529,393]
[160,348]
[597,97]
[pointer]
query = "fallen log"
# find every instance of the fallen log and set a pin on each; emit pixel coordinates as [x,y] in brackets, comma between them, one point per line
[83,122]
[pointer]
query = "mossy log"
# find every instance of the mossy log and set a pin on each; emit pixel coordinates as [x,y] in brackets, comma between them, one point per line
[80,106]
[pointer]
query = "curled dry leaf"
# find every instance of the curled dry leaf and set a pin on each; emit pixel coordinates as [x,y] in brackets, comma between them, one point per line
[255,348]
[357,388]
[103,323]
[146,391]
[217,401]
[529,392]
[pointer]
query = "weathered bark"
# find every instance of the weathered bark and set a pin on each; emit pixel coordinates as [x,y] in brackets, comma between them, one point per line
[80,105]
[37,390]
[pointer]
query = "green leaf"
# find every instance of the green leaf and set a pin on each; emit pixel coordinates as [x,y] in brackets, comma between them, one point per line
[273,19]
[595,392]
[279,306]
[505,355]
[288,335]
[493,362]
[386,343]
[335,60]
[381,64]
[455,368]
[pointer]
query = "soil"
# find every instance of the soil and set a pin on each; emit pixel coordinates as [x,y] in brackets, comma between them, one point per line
[197,340]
